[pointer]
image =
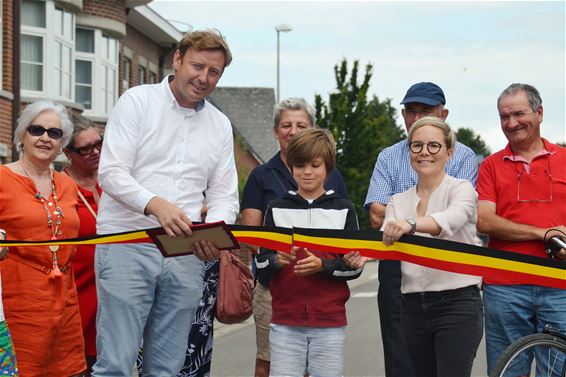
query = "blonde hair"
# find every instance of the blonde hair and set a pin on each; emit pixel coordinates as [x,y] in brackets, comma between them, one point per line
[205,40]
[449,135]
[310,144]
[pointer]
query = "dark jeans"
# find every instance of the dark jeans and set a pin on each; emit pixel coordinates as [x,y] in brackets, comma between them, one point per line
[395,352]
[443,331]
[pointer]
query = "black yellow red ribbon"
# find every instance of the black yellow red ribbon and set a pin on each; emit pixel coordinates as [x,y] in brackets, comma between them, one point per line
[425,251]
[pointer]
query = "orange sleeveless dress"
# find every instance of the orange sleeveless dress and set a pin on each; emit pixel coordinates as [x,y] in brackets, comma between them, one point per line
[42,312]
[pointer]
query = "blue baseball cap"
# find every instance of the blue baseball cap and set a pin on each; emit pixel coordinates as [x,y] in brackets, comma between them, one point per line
[425,92]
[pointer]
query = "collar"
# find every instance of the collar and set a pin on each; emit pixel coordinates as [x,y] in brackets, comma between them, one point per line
[548,148]
[173,101]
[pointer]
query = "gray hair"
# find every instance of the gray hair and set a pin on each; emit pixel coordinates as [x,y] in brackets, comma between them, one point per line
[293,104]
[81,123]
[449,135]
[33,110]
[532,94]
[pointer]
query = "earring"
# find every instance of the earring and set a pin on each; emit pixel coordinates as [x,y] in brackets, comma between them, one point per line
[20,146]
[59,152]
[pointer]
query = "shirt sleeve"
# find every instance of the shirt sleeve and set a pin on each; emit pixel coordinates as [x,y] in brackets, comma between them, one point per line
[462,209]
[119,153]
[266,259]
[222,192]
[252,196]
[467,164]
[381,184]
[486,182]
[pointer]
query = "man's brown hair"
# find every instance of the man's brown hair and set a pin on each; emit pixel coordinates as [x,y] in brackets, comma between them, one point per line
[310,144]
[205,40]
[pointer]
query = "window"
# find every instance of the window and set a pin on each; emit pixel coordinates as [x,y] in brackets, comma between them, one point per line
[127,73]
[152,79]
[47,49]
[96,67]
[31,73]
[141,75]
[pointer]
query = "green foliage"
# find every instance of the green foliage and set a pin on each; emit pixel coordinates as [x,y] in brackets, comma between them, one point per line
[468,137]
[361,126]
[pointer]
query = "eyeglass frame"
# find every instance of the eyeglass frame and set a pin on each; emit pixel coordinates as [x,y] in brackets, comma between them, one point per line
[97,145]
[427,146]
[520,173]
[49,131]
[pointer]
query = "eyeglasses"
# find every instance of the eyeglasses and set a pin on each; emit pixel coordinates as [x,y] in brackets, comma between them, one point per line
[87,149]
[433,147]
[37,130]
[535,188]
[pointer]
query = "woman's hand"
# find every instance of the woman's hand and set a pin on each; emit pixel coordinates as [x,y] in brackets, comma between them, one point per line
[309,265]
[355,260]
[394,230]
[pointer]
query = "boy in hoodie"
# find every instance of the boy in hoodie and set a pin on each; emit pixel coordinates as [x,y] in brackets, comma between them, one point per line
[308,287]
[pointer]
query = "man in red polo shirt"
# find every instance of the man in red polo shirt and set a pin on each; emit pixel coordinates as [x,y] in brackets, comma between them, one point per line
[522,200]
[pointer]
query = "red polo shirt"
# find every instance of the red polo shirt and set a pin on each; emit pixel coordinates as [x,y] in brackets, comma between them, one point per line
[537,197]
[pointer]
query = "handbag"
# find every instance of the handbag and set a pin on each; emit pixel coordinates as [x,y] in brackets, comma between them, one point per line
[235,287]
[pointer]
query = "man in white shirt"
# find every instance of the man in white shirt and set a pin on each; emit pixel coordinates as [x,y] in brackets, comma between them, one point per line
[165,149]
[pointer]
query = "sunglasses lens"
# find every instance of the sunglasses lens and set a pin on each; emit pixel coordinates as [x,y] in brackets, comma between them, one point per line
[55,133]
[36,130]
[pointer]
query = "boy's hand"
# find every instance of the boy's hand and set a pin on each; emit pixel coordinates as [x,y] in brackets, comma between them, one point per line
[285,259]
[309,265]
[354,260]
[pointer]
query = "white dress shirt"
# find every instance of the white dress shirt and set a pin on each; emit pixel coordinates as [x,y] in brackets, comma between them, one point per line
[453,205]
[153,147]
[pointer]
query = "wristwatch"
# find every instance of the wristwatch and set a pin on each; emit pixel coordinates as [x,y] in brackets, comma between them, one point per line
[413,223]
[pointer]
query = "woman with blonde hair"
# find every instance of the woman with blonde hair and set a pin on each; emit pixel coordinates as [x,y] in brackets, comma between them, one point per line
[442,312]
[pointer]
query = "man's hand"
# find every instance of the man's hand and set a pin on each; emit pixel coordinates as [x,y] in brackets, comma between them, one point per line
[355,260]
[170,217]
[309,265]
[557,231]
[394,230]
[3,250]
[284,259]
[206,251]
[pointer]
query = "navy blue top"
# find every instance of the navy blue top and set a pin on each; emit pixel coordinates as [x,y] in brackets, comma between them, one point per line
[272,180]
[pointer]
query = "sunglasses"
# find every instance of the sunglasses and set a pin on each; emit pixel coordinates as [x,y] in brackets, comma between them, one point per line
[87,149]
[53,133]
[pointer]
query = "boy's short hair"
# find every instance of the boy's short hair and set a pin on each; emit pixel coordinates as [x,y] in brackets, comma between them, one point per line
[205,40]
[310,144]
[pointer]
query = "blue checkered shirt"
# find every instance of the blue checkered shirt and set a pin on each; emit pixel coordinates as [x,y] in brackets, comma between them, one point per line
[393,173]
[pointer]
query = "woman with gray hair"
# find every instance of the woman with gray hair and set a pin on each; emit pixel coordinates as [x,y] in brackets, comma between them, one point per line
[271,181]
[38,203]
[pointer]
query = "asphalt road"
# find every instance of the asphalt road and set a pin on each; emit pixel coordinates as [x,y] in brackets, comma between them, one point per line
[234,345]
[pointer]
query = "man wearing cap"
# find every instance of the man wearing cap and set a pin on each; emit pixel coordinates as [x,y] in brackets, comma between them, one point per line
[393,174]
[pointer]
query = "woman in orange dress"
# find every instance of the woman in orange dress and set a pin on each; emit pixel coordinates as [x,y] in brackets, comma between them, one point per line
[38,287]
[83,151]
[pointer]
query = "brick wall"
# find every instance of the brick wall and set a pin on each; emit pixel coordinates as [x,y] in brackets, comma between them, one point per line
[141,47]
[111,9]
[7,46]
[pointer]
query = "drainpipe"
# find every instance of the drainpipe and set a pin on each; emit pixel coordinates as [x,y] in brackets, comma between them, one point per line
[16,34]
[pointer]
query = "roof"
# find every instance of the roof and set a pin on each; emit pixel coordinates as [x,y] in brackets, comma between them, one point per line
[154,26]
[250,111]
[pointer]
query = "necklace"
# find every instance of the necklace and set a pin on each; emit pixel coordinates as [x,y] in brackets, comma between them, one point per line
[54,226]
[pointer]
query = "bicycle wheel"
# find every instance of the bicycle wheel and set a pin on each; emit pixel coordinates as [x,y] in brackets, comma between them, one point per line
[551,346]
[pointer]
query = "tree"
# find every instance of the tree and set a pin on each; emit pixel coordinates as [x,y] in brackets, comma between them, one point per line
[362,128]
[468,137]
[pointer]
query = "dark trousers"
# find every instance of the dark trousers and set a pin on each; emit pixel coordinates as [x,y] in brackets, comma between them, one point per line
[443,331]
[395,352]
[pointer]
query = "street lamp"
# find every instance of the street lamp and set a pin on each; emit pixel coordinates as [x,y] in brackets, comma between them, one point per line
[280,29]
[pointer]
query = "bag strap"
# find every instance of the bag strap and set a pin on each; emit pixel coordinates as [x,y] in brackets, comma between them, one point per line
[87,204]
[285,188]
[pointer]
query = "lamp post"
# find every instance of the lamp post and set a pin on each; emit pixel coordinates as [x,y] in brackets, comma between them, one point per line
[280,29]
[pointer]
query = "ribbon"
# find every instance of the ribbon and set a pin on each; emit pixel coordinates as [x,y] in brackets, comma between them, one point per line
[425,251]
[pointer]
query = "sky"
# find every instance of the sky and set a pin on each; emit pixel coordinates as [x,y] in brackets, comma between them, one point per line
[472,50]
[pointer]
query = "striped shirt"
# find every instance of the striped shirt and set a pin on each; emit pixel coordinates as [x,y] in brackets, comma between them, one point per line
[393,172]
